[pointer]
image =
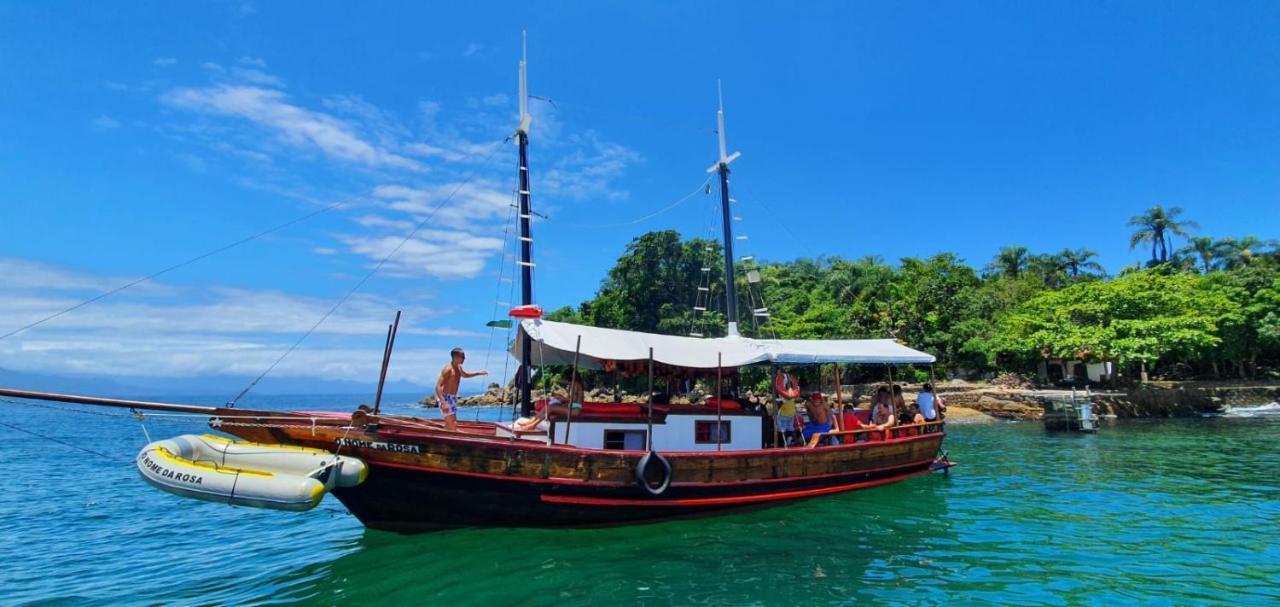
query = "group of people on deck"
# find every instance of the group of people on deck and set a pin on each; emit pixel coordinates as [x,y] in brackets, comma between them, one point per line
[888,409]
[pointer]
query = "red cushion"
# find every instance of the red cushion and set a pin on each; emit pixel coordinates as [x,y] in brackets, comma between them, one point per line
[612,409]
[725,405]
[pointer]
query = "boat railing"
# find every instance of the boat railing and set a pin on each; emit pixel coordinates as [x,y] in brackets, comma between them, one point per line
[892,432]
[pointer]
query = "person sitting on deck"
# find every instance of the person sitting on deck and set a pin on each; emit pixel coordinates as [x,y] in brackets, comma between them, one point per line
[882,416]
[928,403]
[556,406]
[849,421]
[819,417]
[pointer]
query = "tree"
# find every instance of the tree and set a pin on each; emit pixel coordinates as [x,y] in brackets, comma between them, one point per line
[1250,334]
[1050,269]
[1206,251]
[928,303]
[1080,260]
[656,279]
[1026,308]
[1010,261]
[1158,227]
[1240,252]
[1132,320]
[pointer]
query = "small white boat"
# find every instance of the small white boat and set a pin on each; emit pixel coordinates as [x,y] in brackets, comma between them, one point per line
[216,469]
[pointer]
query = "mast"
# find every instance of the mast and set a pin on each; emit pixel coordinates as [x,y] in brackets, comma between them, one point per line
[722,166]
[526,224]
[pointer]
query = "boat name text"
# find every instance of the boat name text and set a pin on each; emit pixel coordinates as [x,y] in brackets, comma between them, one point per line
[164,472]
[379,446]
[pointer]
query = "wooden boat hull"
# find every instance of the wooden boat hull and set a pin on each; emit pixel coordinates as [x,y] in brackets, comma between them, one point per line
[409,501]
[424,480]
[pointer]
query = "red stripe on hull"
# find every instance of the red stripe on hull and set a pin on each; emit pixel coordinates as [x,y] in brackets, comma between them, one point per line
[582,483]
[726,501]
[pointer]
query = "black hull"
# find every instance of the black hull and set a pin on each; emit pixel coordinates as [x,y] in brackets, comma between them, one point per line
[419,500]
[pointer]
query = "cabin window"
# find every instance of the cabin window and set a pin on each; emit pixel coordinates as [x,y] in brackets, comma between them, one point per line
[712,432]
[629,440]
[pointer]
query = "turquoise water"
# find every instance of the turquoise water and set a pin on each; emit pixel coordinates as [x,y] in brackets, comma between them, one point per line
[1169,512]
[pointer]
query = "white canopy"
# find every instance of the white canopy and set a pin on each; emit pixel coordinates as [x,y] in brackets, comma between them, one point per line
[554,343]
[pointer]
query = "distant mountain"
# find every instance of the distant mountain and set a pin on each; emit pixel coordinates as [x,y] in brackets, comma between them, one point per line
[204,385]
[66,383]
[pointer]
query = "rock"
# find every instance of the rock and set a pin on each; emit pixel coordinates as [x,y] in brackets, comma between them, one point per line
[965,415]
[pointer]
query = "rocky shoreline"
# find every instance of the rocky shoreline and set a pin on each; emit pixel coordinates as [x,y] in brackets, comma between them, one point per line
[972,400]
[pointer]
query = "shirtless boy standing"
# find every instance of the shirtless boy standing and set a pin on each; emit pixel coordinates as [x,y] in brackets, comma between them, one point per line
[447,387]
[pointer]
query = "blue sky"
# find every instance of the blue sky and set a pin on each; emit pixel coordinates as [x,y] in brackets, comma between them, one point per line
[133,136]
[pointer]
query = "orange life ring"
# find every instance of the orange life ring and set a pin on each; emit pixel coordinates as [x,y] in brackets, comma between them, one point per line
[610,365]
[786,385]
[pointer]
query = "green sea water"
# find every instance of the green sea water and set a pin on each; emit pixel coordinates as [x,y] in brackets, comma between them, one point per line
[1160,512]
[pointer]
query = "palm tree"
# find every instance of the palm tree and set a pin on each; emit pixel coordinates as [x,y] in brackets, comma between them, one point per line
[1010,261]
[1206,250]
[1240,252]
[1050,269]
[1158,227]
[1079,259]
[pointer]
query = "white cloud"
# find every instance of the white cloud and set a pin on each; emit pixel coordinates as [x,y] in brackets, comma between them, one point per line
[472,49]
[254,76]
[17,274]
[253,62]
[472,202]
[448,254]
[165,330]
[295,125]
[164,62]
[589,171]
[497,100]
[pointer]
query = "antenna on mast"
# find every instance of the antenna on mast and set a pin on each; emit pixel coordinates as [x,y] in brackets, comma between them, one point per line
[725,157]
[525,119]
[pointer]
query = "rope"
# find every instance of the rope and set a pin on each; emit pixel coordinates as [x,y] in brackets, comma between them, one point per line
[55,408]
[64,443]
[646,217]
[502,268]
[142,421]
[188,262]
[366,277]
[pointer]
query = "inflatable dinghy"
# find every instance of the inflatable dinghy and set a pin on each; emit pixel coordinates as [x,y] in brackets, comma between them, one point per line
[215,469]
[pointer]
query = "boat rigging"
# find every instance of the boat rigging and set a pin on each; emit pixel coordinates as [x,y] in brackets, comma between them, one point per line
[580,463]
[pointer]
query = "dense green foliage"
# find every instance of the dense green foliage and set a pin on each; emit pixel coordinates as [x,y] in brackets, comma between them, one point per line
[1209,308]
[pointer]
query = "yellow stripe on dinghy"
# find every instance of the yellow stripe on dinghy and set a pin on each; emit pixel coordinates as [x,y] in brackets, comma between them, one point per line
[173,459]
[225,441]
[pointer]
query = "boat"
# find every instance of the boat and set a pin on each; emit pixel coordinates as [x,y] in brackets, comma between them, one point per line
[608,463]
[215,469]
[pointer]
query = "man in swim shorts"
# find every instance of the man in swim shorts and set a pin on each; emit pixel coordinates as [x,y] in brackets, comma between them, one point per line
[819,416]
[447,387]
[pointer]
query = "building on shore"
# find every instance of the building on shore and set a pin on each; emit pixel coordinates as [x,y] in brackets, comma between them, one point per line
[1056,369]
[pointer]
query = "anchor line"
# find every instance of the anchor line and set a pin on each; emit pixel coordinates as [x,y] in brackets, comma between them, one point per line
[64,443]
